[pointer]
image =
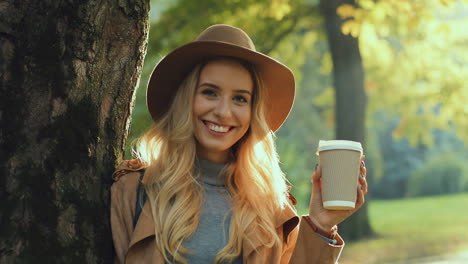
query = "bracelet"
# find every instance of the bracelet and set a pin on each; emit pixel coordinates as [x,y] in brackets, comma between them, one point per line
[331,234]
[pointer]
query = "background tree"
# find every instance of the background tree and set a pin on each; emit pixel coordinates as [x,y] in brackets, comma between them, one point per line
[68,74]
[350,98]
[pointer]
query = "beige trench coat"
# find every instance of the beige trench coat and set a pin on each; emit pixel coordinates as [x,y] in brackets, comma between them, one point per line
[137,245]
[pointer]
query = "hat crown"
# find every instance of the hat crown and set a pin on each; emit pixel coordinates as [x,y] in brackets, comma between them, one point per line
[227,34]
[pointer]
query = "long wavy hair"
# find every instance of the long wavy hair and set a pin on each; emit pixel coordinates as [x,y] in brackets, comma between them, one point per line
[253,176]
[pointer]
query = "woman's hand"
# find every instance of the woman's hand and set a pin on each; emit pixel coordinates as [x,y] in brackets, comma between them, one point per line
[326,219]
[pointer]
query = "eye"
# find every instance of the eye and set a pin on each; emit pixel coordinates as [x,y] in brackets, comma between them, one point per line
[209,92]
[239,99]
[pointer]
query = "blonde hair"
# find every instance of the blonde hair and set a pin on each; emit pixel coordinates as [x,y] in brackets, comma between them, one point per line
[254,177]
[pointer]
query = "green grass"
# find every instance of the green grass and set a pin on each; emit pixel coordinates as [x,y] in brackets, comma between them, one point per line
[412,228]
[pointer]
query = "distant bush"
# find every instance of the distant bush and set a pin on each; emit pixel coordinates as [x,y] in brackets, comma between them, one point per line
[442,174]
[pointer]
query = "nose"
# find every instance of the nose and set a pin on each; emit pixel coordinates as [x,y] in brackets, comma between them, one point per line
[223,109]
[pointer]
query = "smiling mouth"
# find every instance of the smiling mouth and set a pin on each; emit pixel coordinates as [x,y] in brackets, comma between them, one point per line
[217,128]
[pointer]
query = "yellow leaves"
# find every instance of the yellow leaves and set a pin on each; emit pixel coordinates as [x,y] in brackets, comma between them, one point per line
[367,4]
[378,13]
[443,29]
[279,8]
[404,6]
[276,9]
[447,2]
[351,27]
[375,48]
[416,63]
[346,11]
[413,23]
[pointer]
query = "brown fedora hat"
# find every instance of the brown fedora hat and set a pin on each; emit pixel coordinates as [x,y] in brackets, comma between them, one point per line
[221,41]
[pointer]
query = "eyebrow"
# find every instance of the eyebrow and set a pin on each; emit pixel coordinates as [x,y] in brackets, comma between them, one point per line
[218,88]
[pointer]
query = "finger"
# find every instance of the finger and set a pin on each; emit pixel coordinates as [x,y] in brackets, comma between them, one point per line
[316,185]
[360,199]
[363,168]
[363,183]
[317,174]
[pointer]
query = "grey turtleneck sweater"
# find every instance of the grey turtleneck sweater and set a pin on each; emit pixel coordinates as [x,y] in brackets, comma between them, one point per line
[212,233]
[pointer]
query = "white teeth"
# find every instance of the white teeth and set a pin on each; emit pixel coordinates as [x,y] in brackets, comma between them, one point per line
[218,128]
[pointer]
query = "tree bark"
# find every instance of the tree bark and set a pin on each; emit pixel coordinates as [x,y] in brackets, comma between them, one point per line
[68,73]
[350,99]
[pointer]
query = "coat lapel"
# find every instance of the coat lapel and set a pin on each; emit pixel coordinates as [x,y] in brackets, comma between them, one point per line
[144,227]
[286,221]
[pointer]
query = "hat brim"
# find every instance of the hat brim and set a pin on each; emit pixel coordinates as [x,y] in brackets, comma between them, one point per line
[172,69]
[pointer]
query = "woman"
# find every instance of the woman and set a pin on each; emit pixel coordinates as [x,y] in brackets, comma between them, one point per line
[214,190]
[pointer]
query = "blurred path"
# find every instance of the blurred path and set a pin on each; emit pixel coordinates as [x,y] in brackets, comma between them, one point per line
[459,258]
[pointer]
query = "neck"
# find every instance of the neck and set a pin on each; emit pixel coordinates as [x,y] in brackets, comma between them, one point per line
[216,157]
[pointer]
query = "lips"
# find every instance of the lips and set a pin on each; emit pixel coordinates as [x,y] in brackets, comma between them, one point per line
[217,127]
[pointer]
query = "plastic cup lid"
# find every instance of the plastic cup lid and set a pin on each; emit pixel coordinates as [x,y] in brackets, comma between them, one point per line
[339,144]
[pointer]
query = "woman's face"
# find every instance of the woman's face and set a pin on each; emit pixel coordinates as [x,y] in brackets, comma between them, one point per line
[222,108]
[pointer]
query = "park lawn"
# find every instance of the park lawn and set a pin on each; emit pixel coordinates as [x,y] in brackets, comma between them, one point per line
[412,228]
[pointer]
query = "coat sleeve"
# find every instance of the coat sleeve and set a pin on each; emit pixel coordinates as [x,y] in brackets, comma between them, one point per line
[306,246]
[123,200]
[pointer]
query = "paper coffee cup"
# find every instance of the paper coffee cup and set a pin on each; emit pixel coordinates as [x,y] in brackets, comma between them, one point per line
[340,163]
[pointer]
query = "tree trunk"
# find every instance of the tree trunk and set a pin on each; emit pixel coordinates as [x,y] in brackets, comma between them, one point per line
[350,99]
[68,74]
